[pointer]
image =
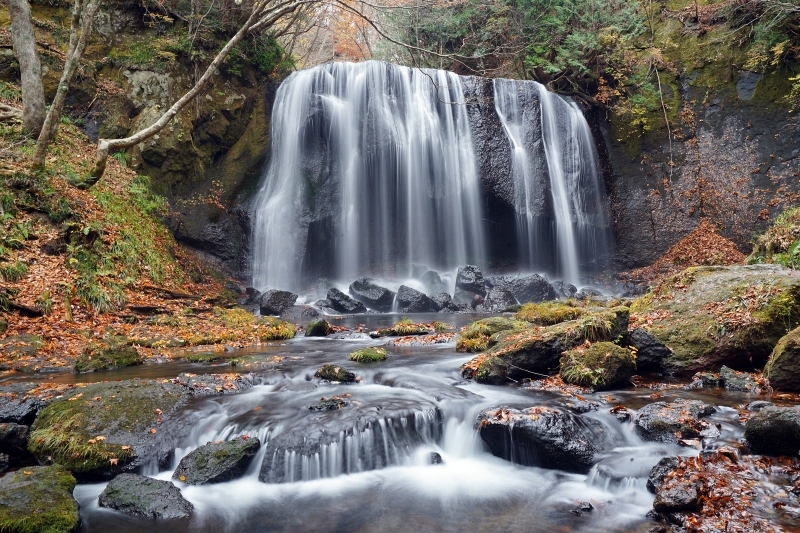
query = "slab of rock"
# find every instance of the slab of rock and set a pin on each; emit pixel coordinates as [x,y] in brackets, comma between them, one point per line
[275,302]
[651,354]
[143,496]
[525,287]
[660,421]
[216,462]
[469,285]
[366,291]
[783,368]
[38,499]
[335,373]
[774,431]
[544,437]
[342,303]
[412,301]
[13,438]
[659,472]
[19,407]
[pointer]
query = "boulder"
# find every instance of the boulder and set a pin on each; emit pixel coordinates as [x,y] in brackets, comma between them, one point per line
[497,300]
[678,496]
[335,373]
[783,368]
[731,315]
[323,286]
[433,282]
[469,285]
[216,462]
[589,293]
[366,291]
[549,313]
[38,499]
[774,431]
[564,290]
[368,355]
[318,327]
[660,421]
[253,295]
[299,313]
[443,302]
[659,472]
[544,437]
[475,337]
[13,439]
[538,348]
[342,303]
[147,497]
[651,354]
[20,407]
[602,366]
[275,302]
[412,301]
[525,287]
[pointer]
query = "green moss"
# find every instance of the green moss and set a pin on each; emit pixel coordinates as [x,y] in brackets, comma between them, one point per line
[105,355]
[38,500]
[780,244]
[204,357]
[475,337]
[783,367]
[602,365]
[548,313]
[492,370]
[368,355]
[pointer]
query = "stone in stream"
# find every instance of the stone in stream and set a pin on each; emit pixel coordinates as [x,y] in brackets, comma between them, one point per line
[544,437]
[774,431]
[783,368]
[107,354]
[443,302]
[651,354]
[659,472]
[497,300]
[525,287]
[366,291]
[299,313]
[319,327]
[147,497]
[433,282]
[661,421]
[38,499]
[469,285]
[412,301]
[368,355]
[602,366]
[342,303]
[728,379]
[275,302]
[216,462]
[335,373]
[13,438]
[679,496]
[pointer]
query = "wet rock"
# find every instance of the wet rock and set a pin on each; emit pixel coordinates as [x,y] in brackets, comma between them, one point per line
[758,405]
[651,354]
[435,459]
[323,286]
[216,462]
[275,302]
[348,336]
[774,431]
[589,293]
[5,460]
[368,355]
[342,303]
[366,291]
[602,366]
[622,413]
[783,368]
[443,302]
[143,496]
[469,285]
[737,381]
[544,437]
[299,313]
[412,301]
[660,421]
[433,283]
[580,406]
[38,499]
[108,354]
[497,300]
[318,327]
[564,290]
[525,287]
[681,496]
[13,439]
[683,310]
[335,373]
[253,295]
[329,404]
[20,407]
[660,472]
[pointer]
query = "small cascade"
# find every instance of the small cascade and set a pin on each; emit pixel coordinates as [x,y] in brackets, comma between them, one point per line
[555,176]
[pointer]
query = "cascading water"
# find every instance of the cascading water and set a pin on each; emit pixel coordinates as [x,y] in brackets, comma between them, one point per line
[550,140]
[375,164]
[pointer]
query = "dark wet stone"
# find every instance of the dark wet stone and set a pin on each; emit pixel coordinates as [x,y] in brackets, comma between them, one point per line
[525,287]
[581,406]
[680,496]
[216,462]
[758,405]
[660,421]
[659,472]
[335,373]
[774,431]
[650,352]
[318,327]
[585,507]
[412,301]
[366,291]
[13,438]
[564,290]
[329,404]
[443,302]
[299,313]
[38,499]
[275,302]
[544,437]
[342,303]
[469,285]
[498,299]
[18,407]
[435,459]
[433,283]
[588,293]
[143,496]
[738,381]
[4,462]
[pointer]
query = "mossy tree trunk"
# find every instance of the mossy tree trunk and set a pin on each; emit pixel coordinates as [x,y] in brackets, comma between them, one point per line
[24,43]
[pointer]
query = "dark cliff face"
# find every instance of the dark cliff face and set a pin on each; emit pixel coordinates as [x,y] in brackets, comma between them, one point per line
[734,159]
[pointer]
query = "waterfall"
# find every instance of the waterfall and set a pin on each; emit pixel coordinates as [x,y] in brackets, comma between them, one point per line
[372,166]
[549,136]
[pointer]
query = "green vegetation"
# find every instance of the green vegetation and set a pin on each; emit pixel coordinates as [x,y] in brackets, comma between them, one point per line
[38,499]
[602,365]
[780,244]
[548,313]
[368,355]
[202,357]
[113,353]
[475,337]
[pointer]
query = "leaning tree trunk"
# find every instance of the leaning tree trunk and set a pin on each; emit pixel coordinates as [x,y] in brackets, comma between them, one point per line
[24,44]
[82,16]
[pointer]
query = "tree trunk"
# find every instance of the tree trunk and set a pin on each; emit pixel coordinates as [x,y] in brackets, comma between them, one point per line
[83,16]
[24,44]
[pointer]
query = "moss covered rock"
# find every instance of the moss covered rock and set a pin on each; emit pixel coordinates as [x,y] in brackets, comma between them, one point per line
[774,431]
[143,496]
[335,373]
[475,337]
[217,461]
[549,313]
[780,244]
[319,327]
[602,365]
[38,500]
[368,355]
[537,349]
[783,368]
[710,316]
[104,355]
[100,430]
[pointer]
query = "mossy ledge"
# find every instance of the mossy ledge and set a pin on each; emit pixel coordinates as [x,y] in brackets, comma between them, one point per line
[38,500]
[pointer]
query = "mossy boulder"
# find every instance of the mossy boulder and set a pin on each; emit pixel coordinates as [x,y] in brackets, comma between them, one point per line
[549,313]
[536,350]
[780,244]
[783,368]
[104,355]
[319,327]
[368,355]
[335,373]
[602,365]
[216,462]
[38,499]
[103,429]
[475,337]
[731,315]
[143,496]
[491,370]
[774,431]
